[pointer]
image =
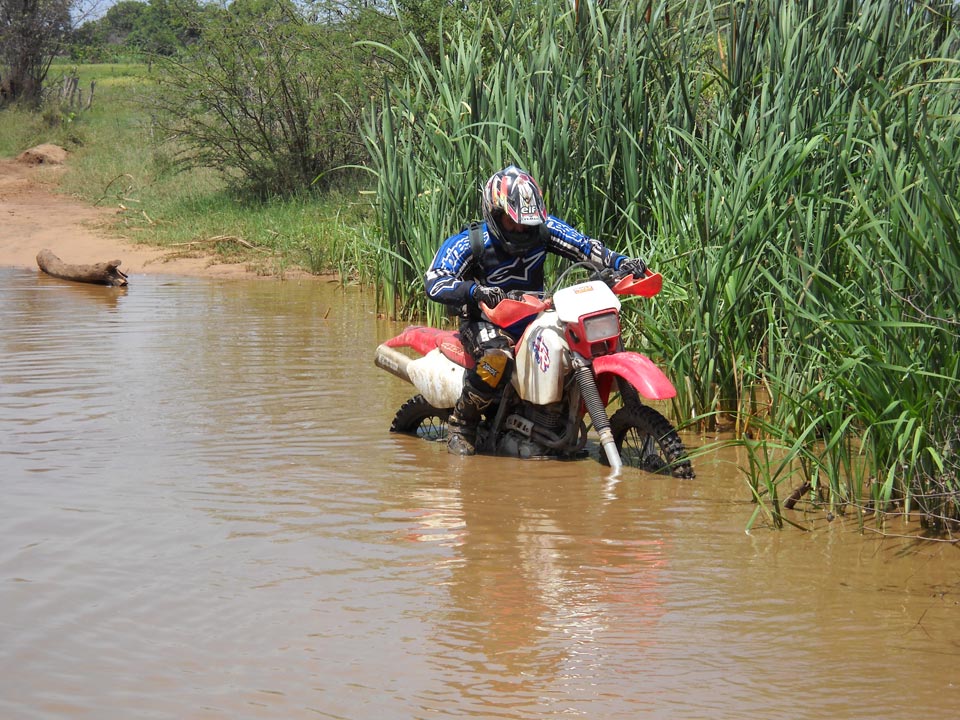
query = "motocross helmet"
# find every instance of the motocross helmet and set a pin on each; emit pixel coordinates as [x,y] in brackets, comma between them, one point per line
[512,193]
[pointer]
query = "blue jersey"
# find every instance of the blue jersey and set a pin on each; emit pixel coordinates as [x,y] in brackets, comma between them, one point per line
[454,271]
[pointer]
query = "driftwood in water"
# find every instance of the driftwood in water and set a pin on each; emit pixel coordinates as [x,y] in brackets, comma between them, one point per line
[105,273]
[795,496]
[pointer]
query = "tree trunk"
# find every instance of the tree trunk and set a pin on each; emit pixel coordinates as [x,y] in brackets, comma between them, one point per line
[105,273]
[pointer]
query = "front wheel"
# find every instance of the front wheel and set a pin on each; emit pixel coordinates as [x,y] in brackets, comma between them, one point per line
[648,441]
[418,417]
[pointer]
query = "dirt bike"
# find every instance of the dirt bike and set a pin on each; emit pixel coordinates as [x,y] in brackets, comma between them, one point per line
[569,361]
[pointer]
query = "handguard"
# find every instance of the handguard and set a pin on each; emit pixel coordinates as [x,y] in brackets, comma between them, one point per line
[509,312]
[647,286]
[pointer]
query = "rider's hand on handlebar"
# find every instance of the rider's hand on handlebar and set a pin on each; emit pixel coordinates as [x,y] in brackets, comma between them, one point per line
[491,296]
[634,266]
[609,276]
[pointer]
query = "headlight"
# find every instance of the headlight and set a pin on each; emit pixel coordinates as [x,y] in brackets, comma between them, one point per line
[601,327]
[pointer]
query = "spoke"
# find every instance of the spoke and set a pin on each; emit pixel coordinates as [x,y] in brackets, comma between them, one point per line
[641,450]
[432,429]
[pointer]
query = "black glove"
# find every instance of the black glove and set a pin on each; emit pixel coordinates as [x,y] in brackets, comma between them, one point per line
[609,276]
[489,295]
[634,266]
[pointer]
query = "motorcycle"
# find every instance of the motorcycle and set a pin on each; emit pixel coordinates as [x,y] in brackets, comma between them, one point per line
[569,362]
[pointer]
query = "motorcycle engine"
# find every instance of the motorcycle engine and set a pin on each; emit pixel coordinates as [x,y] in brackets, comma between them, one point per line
[513,444]
[526,434]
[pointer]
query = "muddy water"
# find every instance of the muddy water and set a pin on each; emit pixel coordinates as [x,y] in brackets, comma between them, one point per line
[202,515]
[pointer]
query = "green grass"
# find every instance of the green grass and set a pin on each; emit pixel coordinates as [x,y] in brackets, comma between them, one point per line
[19,130]
[117,161]
[320,236]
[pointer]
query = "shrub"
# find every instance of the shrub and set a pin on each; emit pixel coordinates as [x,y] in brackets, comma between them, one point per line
[265,97]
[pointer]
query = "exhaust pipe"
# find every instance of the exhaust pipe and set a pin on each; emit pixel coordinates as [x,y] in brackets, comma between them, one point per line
[393,361]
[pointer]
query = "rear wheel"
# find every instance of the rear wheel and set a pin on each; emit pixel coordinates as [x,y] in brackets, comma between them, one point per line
[648,441]
[418,417]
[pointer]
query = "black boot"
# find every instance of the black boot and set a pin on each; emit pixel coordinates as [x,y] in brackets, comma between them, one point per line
[462,439]
[463,422]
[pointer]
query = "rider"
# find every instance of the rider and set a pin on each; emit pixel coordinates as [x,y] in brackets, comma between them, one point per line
[517,233]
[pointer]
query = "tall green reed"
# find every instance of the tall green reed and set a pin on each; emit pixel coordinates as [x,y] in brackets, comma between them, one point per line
[534,92]
[791,167]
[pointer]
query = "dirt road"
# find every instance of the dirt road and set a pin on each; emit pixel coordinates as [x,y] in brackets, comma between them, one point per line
[33,217]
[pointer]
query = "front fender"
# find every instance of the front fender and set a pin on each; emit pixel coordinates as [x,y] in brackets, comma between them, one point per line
[639,371]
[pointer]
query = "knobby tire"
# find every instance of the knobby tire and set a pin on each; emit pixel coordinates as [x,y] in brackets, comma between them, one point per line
[647,440]
[418,417]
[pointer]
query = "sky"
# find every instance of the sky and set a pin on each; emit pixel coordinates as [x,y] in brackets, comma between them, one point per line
[84,10]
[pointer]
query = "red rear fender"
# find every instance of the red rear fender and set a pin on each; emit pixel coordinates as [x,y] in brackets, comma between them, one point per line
[423,339]
[639,371]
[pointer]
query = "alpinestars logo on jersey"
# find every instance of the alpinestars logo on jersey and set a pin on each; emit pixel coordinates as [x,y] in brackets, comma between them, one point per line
[519,269]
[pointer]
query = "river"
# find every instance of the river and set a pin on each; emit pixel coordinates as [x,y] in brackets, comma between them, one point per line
[205,516]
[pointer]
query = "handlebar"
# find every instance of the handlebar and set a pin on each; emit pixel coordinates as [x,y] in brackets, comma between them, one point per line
[621,283]
[514,309]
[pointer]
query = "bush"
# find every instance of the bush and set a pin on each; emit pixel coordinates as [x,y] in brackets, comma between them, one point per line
[266,98]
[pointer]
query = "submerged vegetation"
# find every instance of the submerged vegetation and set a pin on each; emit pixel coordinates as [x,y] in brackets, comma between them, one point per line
[791,167]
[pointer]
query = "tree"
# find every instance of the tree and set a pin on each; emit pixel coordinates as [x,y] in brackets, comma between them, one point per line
[164,27]
[31,32]
[150,27]
[268,98]
[120,21]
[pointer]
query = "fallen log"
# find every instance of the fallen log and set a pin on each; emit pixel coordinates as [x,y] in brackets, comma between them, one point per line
[105,273]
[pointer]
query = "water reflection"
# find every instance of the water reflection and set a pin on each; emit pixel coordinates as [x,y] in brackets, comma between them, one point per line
[543,571]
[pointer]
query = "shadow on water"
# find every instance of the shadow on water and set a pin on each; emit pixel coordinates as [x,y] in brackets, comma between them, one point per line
[205,516]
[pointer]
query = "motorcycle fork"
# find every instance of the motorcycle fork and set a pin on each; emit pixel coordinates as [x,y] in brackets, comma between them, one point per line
[572,432]
[596,408]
